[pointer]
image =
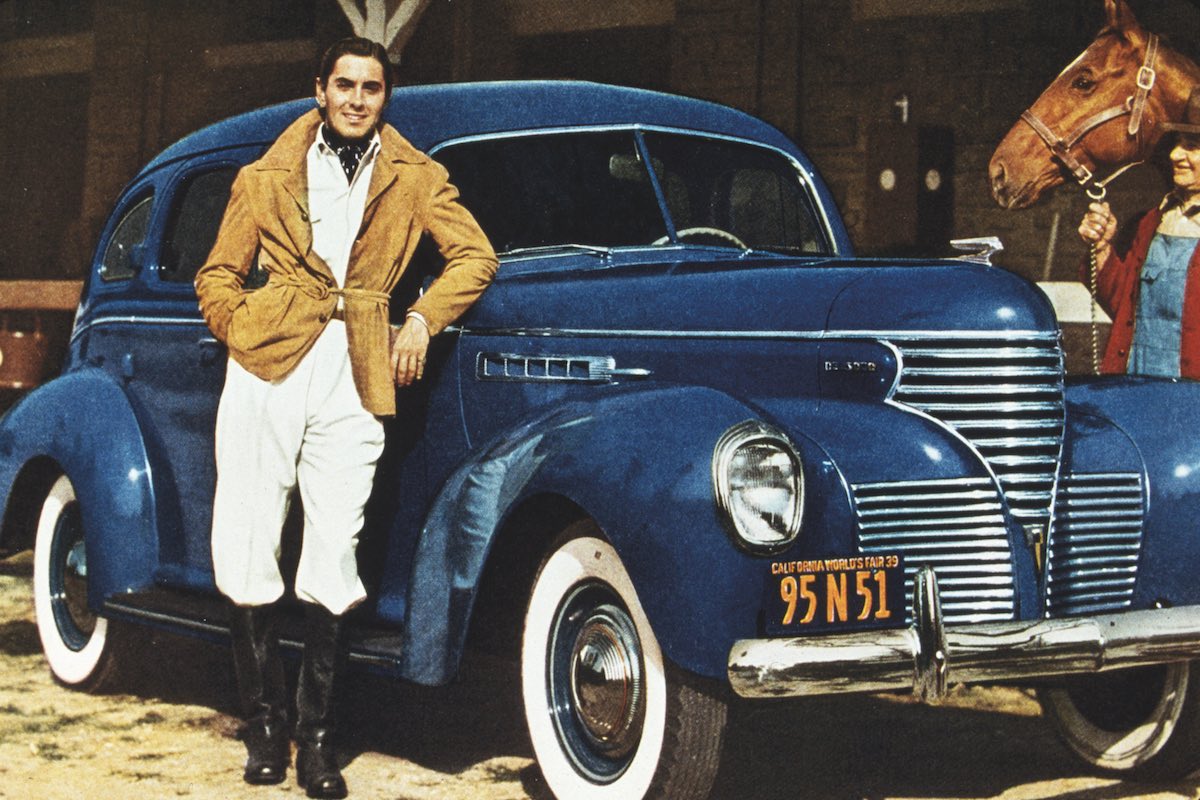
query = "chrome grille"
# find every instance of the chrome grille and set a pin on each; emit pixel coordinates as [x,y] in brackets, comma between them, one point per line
[1094,544]
[1004,395]
[955,526]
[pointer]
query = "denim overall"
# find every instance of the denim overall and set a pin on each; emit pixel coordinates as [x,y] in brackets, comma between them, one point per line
[1158,329]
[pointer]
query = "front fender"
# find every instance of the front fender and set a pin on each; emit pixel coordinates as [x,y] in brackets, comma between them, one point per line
[638,461]
[84,423]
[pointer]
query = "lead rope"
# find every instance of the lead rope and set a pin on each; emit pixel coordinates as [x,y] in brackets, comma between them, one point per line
[1097,193]
[1093,272]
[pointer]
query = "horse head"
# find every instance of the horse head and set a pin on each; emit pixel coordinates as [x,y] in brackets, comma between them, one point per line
[1103,111]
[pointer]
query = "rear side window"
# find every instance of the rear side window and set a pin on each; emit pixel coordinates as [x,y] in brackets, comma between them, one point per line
[125,251]
[200,204]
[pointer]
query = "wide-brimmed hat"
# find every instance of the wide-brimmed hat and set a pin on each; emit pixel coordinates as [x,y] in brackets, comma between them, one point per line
[1190,124]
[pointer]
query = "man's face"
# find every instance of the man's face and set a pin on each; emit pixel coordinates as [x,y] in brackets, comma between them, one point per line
[1185,165]
[353,96]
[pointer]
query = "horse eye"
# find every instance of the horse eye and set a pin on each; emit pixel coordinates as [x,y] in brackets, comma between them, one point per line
[1083,83]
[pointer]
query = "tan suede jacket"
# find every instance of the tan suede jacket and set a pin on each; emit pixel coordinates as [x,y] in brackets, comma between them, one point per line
[269,330]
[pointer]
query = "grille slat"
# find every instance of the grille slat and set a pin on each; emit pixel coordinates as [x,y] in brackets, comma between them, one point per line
[1084,561]
[947,524]
[1095,544]
[1011,407]
[968,372]
[1017,442]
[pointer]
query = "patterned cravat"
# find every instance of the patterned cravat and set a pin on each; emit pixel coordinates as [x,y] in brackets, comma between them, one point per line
[349,152]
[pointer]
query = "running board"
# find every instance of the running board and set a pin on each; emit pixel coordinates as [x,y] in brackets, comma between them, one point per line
[196,613]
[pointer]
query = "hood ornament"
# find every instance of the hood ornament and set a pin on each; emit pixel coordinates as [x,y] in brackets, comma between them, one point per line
[978,250]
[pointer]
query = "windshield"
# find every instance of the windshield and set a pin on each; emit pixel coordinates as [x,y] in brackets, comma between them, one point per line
[717,189]
[592,189]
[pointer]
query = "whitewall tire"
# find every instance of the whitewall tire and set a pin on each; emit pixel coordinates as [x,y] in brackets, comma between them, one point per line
[76,641]
[609,718]
[1141,723]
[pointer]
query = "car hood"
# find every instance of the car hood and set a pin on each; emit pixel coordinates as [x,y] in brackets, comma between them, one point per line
[766,295]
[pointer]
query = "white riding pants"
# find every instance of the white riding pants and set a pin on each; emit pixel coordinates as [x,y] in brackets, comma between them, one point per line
[308,428]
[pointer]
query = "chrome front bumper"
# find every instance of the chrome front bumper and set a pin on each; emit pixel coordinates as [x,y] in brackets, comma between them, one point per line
[927,656]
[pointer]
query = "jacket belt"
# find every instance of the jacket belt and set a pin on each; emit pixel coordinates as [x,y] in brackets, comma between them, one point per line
[320,291]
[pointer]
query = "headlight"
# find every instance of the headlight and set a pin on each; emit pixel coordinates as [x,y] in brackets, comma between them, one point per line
[759,484]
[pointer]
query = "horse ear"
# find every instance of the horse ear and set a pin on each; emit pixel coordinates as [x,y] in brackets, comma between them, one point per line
[1118,17]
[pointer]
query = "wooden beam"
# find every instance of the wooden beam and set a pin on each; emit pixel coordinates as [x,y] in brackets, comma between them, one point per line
[40,295]
[535,17]
[48,55]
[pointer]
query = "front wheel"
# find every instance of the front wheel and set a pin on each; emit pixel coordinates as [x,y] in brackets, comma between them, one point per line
[77,642]
[608,717]
[1141,723]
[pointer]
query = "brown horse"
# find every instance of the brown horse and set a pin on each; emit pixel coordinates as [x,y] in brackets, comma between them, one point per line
[1102,112]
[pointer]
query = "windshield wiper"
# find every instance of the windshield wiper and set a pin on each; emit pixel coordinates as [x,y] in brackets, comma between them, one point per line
[550,249]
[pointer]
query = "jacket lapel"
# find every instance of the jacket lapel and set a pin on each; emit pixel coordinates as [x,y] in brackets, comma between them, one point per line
[394,150]
[285,165]
[383,175]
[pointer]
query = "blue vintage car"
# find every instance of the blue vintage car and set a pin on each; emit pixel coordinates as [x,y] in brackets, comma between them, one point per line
[686,450]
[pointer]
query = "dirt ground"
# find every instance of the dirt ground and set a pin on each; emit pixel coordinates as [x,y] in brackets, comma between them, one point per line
[169,732]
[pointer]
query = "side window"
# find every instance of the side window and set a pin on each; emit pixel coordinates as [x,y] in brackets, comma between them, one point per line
[122,256]
[199,205]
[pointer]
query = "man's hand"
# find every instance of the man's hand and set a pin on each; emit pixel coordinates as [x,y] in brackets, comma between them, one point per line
[1098,228]
[409,345]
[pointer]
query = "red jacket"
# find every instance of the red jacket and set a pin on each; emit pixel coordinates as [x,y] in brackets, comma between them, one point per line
[1117,293]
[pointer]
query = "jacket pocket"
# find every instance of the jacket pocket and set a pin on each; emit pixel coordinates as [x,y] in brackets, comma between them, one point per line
[261,319]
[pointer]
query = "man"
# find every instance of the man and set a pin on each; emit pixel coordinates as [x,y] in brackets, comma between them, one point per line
[1150,285]
[332,213]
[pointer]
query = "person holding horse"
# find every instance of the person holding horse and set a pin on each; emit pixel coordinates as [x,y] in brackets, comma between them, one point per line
[1149,276]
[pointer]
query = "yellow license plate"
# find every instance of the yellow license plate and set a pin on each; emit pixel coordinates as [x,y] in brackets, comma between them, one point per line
[834,593]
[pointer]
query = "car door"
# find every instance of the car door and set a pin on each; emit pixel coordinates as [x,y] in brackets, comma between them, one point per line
[176,368]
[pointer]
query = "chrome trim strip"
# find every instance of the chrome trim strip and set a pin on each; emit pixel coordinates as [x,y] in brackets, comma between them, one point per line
[927,656]
[881,337]
[136,319]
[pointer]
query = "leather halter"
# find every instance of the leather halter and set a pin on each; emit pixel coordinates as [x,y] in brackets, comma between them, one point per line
[1134,106]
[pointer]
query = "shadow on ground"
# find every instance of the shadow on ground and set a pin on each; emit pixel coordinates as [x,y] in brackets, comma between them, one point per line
[825,749]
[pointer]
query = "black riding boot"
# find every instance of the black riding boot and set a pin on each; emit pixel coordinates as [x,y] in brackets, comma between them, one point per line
[263,692]
[316,759]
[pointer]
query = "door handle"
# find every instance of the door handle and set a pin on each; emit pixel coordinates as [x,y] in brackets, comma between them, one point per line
[210,349]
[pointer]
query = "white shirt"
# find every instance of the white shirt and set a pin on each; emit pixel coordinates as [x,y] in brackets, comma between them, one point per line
[335,207]
[1180,219]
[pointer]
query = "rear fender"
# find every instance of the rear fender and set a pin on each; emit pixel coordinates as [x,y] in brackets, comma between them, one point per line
[83,423]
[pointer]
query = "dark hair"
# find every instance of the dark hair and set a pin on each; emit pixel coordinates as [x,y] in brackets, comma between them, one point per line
[355,46]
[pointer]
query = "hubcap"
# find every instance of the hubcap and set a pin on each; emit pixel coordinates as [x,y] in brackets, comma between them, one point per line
[68,581]
[606,681]
[596,682]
